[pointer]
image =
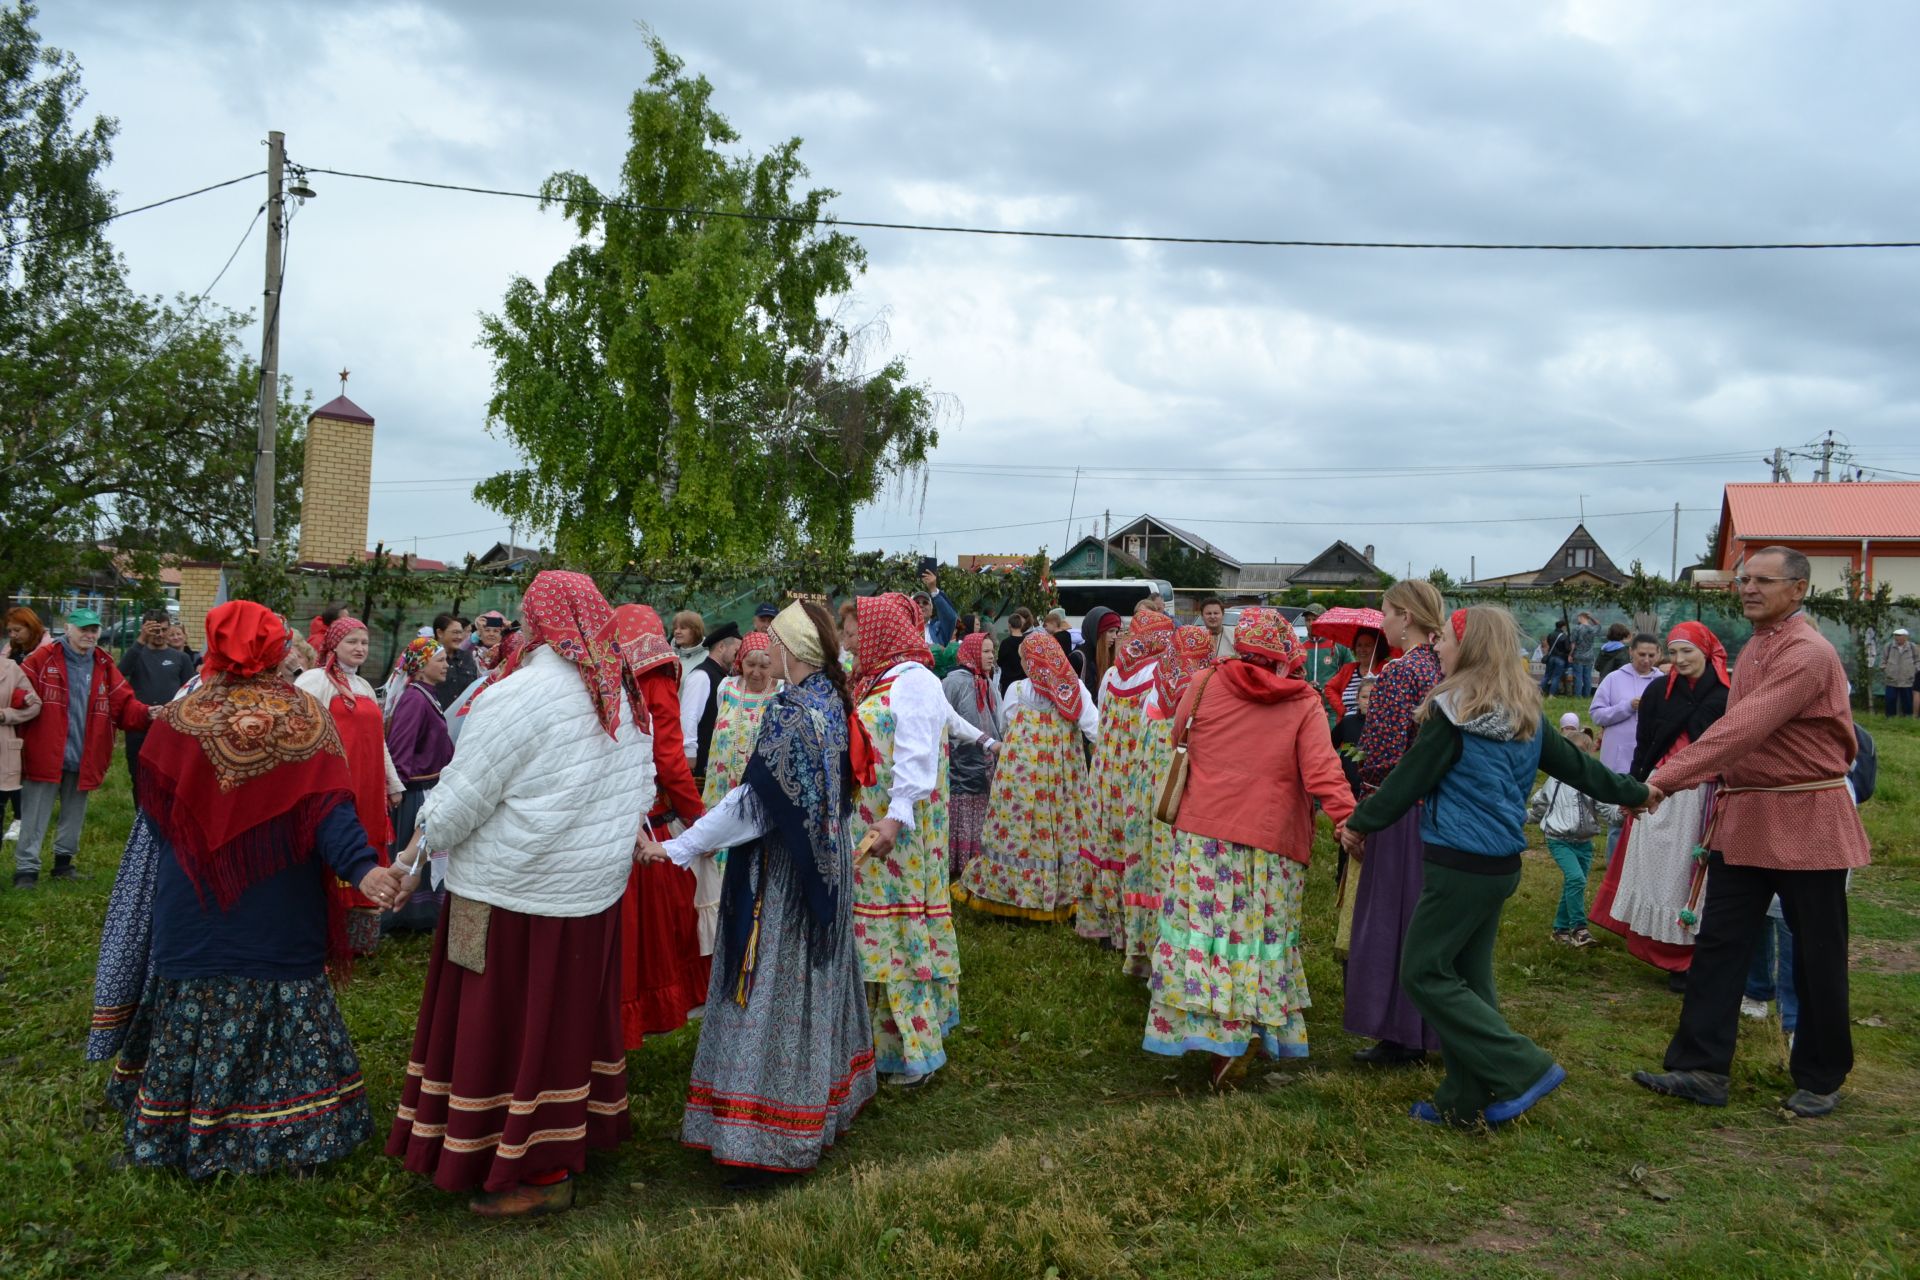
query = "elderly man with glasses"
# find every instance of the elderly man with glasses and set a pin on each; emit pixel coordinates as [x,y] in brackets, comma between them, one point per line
[1784,824]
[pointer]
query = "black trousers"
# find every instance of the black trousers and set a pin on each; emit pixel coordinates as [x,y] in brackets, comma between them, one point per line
[131,744]
[1815,905]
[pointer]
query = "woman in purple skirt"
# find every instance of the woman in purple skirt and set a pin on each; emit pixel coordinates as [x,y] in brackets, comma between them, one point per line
[1376,1006]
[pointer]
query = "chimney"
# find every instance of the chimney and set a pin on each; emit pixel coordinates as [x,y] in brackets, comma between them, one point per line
[1369,553]
[336,483]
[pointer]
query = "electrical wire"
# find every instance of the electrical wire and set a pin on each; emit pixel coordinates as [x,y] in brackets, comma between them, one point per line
[1115,236]
[117,214]
[1306,524]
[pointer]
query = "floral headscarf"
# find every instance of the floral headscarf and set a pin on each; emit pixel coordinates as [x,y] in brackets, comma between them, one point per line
[643,639]
[1189,653]
[412,661]
[975,657]
[1049,671]
[565,612]
[1152,633]
[343,627]
[1264,637]
[890,634]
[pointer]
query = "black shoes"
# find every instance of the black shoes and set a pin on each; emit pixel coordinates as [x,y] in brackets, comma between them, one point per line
[63,869]
[26,879]
[1677,983]
[1708,1088]
[1389,1054]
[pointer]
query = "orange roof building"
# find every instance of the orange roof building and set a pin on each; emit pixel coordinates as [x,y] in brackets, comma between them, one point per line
[1865,527]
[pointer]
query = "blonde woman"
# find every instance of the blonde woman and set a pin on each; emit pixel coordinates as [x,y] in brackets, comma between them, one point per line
[1467,776]
[689,640]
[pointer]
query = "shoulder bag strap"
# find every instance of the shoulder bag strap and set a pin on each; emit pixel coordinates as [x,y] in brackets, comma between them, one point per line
[1180,730]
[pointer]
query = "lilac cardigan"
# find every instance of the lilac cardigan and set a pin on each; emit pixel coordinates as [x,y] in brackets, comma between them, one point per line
[1613,711]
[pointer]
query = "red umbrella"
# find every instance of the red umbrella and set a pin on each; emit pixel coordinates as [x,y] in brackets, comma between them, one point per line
[1340,625]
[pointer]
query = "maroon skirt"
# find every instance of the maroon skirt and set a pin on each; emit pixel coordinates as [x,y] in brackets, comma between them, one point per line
[517,1072]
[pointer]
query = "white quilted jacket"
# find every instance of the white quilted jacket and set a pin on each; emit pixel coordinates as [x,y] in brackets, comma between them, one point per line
[539,810]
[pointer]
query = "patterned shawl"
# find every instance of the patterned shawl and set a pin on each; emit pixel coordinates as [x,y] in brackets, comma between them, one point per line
[890,634]
[643,639]
[412,661]
[1270,656]
[238,774]
[1190,652]
[1152,633]
[1051,674]
[343,627]
[798,776]
[565,612]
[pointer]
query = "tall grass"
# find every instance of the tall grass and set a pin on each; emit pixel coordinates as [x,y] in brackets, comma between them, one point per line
[1052,1144]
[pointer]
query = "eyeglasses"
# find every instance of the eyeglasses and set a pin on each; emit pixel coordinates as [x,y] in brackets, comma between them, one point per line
[1749,580]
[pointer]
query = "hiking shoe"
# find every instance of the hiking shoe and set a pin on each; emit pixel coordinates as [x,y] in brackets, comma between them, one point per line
[1809,1105]
[1563,937]
[1577,938]
[1514,1108]
[1751,1008]
[63,869]
[1708,1088]
[26,879]
[524,1201]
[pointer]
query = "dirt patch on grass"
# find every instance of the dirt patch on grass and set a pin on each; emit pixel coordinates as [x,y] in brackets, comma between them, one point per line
[1881,956]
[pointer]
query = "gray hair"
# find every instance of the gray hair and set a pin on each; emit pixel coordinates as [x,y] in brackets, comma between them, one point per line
[1797,568]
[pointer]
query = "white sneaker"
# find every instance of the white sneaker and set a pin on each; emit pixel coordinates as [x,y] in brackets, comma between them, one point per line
[13,831]
[1750,1008]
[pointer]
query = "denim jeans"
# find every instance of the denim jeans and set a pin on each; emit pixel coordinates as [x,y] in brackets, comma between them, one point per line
[1550,682]
[1583,679]
[1575,859]
[1899,701]
[1770,977]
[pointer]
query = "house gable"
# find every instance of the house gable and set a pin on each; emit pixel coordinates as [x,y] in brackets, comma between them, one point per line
[1340,565]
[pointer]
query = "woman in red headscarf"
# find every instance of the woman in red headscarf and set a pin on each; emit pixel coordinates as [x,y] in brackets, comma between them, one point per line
[1037,829]
[666,944]
[1189,652]
[1227,974]
[1649,884]
[236,1059]
[1120,796]
[518,1067]
[902,911]
[974,695]
[377,787]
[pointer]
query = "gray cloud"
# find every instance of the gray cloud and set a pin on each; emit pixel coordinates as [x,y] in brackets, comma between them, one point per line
[1571,121]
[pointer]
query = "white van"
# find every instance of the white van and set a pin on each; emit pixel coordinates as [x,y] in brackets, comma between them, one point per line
[1080,595]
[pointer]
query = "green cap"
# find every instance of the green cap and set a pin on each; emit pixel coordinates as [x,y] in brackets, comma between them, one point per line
[83,618]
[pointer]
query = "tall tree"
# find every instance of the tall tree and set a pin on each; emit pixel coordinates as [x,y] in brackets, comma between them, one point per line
[124,420]
[1183,567]
[683,383]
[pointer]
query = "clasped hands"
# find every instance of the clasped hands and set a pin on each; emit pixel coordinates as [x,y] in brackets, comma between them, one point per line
[647,849]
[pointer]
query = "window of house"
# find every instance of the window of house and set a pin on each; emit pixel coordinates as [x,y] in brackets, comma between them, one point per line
[1579,557]
[1137,546]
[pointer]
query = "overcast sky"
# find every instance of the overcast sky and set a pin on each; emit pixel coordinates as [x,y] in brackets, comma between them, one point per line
[1592,120]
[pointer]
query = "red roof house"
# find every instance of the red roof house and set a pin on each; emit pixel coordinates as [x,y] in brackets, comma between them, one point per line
[1869,527]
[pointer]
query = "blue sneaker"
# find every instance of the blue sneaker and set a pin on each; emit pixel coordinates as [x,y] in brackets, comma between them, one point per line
[1426,1113]
[1501,1112]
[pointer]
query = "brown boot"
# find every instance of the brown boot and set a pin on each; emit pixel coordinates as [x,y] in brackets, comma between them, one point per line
[524,1201]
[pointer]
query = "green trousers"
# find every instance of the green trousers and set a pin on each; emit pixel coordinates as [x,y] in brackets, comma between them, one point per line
[1446,969]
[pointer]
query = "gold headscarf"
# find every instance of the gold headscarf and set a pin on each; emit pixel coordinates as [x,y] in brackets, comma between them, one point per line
[798,635]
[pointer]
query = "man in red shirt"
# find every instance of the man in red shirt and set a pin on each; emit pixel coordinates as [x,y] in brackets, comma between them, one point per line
[1784,823]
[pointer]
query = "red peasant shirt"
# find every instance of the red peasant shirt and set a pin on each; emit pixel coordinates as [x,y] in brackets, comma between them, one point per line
[1788,721]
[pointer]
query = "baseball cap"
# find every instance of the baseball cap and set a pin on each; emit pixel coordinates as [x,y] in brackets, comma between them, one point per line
[83,618]
[1315,609]
[1571,720]
[766,611]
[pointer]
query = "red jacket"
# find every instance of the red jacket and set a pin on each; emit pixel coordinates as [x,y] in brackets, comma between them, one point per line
[672,776]
[110,705]
[1255,768]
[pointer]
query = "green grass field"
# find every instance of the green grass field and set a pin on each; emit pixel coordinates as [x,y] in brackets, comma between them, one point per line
[1052,1146]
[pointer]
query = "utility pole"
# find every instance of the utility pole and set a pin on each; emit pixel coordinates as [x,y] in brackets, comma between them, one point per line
[1673,574]
[1779,464]
[263,468]
[1106,541]
[1826,458]
[1075,497]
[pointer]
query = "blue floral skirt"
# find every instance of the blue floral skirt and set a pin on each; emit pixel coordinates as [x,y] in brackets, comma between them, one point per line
[245,1075]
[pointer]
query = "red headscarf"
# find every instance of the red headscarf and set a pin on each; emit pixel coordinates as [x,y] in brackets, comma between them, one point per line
[238,774]
[643,639]
[245,639]
[1700,637]
[566,613]
[342,627]
[1152,633]
[1459,621]
[1269,658]
[1190,652]
[752,642]
[1048,670]
[890,634]
[974,657]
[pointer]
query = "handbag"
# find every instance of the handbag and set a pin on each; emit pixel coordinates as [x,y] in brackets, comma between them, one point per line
[1166,799]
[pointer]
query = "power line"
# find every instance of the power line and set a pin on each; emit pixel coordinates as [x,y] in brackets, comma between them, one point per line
[1113,236]
[1306,524]
[117,214]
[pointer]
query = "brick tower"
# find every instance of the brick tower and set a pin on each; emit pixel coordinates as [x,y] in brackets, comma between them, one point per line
[337,482]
